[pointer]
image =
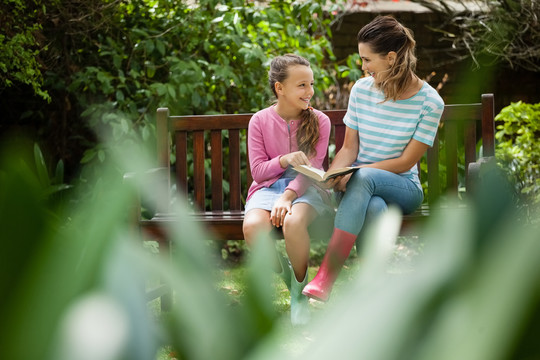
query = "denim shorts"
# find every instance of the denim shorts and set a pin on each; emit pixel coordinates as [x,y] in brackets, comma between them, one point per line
[266,197]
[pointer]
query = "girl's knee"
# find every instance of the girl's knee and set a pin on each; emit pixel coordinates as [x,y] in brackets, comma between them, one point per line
[294,222]
[253,225]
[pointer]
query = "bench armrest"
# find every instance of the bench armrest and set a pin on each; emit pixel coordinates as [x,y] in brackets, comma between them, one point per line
[150,187]
[476,170]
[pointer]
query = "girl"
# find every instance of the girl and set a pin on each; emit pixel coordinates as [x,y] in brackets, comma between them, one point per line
[392,119]
[287,134]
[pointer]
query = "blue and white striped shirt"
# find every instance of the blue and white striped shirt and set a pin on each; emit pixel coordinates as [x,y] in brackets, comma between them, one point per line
[386,127]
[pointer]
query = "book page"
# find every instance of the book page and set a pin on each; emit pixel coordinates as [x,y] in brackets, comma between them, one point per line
[320,175]
[311,169]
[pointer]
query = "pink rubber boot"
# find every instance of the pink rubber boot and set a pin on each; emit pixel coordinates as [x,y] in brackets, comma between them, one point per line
[338,250]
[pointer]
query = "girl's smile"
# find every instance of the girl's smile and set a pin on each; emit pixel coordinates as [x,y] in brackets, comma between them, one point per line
[295,92]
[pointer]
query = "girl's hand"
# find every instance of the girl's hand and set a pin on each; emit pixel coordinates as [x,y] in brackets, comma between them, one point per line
[279,211]
[294,159]
[282,207]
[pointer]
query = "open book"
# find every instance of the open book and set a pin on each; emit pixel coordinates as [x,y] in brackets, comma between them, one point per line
[321,175]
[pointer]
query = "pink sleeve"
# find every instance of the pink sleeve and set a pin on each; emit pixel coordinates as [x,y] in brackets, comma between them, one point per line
[262,166]
[300,184]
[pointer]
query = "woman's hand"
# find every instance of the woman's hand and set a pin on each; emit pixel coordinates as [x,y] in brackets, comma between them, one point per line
[339,183]
[330,183]
[294,159]
[282,207]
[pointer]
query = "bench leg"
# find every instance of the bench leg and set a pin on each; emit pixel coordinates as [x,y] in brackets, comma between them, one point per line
[167,296]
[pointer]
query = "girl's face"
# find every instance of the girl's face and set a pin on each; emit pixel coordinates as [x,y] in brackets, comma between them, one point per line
[376,65]
[297,89]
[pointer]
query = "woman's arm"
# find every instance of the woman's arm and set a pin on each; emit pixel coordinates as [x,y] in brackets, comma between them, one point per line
[409,157]
[412,153]
[345,157]
[348,152]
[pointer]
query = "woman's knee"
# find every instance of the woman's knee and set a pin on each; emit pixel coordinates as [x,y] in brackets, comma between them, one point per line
[376,206]
[362,178]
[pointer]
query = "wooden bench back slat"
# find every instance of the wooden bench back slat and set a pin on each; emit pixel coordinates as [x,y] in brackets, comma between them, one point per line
[163,158]
[235,200]
[181,162]
[451,137]
[488,125]
[434,188]
[216,153]
[199,185]
[470,146]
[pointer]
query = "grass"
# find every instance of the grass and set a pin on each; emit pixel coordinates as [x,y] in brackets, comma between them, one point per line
[232,273]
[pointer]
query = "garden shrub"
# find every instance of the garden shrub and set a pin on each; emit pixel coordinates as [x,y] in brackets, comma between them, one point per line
[209,58]
[517,148]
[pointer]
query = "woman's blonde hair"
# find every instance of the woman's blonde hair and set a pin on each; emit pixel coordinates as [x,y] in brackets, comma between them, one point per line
[384,34]
[307,135]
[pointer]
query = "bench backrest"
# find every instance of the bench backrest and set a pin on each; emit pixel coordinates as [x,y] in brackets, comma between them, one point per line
[199,142]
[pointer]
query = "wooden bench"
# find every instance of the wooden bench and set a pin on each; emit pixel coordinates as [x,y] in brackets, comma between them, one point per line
[218,142]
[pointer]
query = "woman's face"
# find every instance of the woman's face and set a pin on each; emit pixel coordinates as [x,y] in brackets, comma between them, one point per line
[376,65]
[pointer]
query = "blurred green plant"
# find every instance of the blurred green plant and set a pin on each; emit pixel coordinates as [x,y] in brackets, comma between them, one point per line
[76,289]
[517,147]
[50,183]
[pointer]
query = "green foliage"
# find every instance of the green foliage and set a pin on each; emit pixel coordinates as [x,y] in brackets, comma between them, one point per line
[517,148]
[209,58]
[19,47]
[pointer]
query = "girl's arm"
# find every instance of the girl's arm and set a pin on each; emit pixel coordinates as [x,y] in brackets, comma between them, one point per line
[262,166]
[301,183]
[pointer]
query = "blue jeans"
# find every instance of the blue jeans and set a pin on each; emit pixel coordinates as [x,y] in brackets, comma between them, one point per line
[368,193]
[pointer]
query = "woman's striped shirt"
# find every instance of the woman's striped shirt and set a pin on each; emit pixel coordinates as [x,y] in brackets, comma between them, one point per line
[386,127]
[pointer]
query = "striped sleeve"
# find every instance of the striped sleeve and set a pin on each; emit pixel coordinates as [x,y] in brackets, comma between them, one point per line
[429,120]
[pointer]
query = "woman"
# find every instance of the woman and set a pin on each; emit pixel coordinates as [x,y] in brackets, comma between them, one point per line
[392,119]
[287,134]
